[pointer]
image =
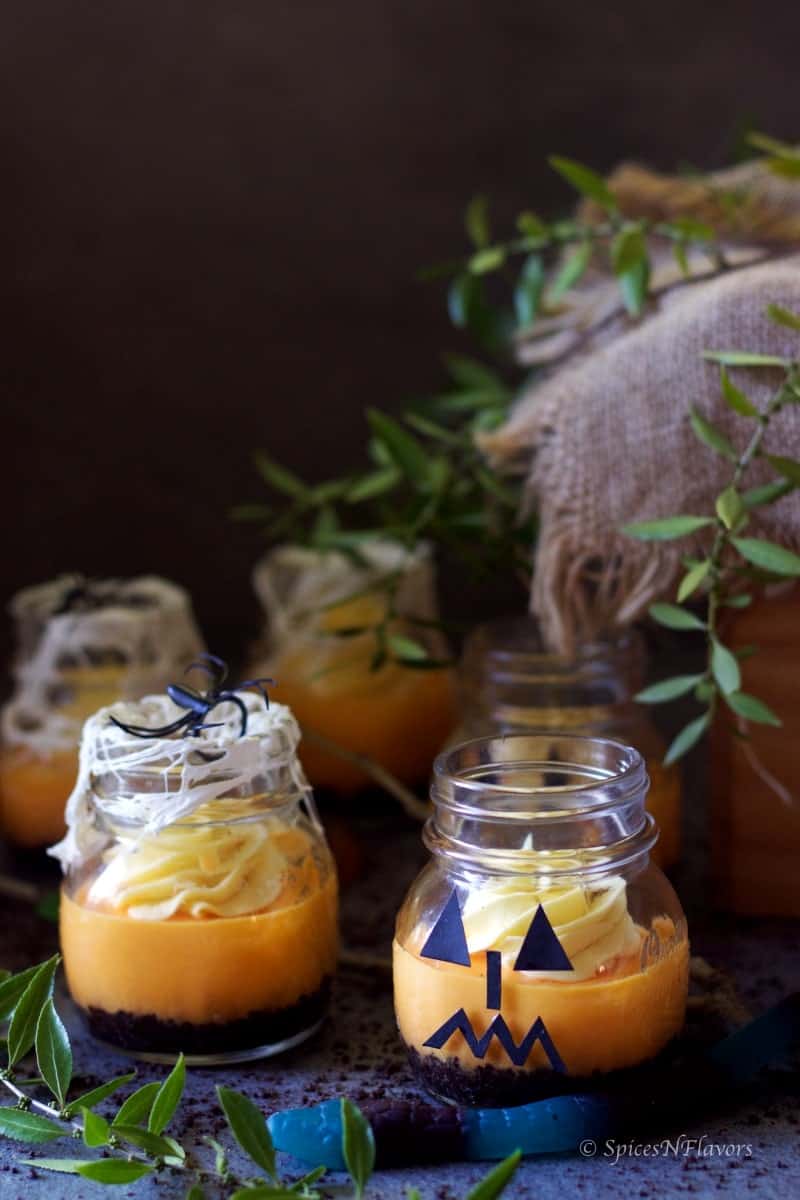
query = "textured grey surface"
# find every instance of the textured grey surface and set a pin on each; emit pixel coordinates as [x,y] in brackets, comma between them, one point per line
[358,1054]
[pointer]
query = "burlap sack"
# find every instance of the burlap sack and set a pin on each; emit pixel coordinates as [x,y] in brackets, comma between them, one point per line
[605,437]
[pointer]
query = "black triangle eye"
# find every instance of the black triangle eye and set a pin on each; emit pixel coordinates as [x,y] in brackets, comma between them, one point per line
[541,950]
[447,941]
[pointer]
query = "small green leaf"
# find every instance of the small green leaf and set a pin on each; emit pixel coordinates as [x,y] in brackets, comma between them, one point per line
[752,709]
[712,437]
[24,1126]
[114,1170]
[730,508]
[97,1095]
[784,316]
[688,737]
[248,1126]
[627,249]
[633,285]
[377,483]
[53,1052]
[742,600]
[96,1130]
[405,648]
[692,579]
[476,221]
[22,1030]
[768,556]
[12,988]
[735,398]
[531,225]
[195,1192]
[666,528]
[463,297]
[789,468]
[495,1183]
[725,668]
[768,493]
[471,373]
[358,1146]
[135,1109]
[572,270]
[675,618]
[680,256]
[167,1098]
[487,260]
[687,229]
[528,292]
[743,358]
[281,479]
[152,1143]
[308,1180]
[668,689]
[402,446]
[65,1166]
[585,180]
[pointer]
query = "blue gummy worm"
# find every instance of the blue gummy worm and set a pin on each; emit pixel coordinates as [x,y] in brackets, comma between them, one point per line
[544,1127]
[314,1135]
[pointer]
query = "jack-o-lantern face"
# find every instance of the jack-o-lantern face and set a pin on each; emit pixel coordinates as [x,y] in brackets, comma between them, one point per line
[540,951]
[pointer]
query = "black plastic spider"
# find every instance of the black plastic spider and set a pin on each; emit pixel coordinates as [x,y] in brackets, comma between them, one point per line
[200,704]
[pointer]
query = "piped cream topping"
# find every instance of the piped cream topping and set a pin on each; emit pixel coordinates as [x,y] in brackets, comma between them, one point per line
[592,923]
[193,870]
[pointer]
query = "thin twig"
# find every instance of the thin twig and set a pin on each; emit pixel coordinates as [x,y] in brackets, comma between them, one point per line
[18,889]
[410,803]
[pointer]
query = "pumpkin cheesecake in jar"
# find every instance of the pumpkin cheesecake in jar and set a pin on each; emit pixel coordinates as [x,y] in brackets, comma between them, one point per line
[199,905]
[81,644]
[541,950]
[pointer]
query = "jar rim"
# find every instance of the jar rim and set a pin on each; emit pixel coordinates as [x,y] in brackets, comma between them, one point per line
[630,776]
[573,793]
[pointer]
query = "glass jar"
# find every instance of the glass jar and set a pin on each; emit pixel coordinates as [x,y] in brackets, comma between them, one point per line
[81,644]
[541,949]
[348,686]
[509,683]
[199,905]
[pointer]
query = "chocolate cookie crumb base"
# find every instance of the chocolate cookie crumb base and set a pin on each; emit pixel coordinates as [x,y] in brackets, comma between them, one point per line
[499,1087]
[149,1033]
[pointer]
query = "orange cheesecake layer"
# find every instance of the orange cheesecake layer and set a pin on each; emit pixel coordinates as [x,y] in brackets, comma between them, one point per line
[597,1025]
[204,970]
[396,716]
[33,793]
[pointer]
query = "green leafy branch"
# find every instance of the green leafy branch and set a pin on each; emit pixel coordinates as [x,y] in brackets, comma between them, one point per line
[134,1142]
[733,560]
[426,480]
[555,255]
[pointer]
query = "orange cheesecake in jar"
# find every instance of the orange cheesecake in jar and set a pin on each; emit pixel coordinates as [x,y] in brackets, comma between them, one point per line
[356,653]
[82,644]
[199,906]
[541,949]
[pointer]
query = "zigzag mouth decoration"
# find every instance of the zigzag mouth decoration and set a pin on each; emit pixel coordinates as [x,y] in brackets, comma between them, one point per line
[517,1052]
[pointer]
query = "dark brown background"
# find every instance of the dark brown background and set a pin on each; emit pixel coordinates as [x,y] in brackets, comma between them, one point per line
[212,214]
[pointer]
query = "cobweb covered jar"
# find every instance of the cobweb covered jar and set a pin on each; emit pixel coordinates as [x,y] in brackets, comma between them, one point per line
[199,905]
[80,644]
[541,949]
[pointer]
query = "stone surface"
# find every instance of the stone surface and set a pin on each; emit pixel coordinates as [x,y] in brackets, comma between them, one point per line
[358,1055]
